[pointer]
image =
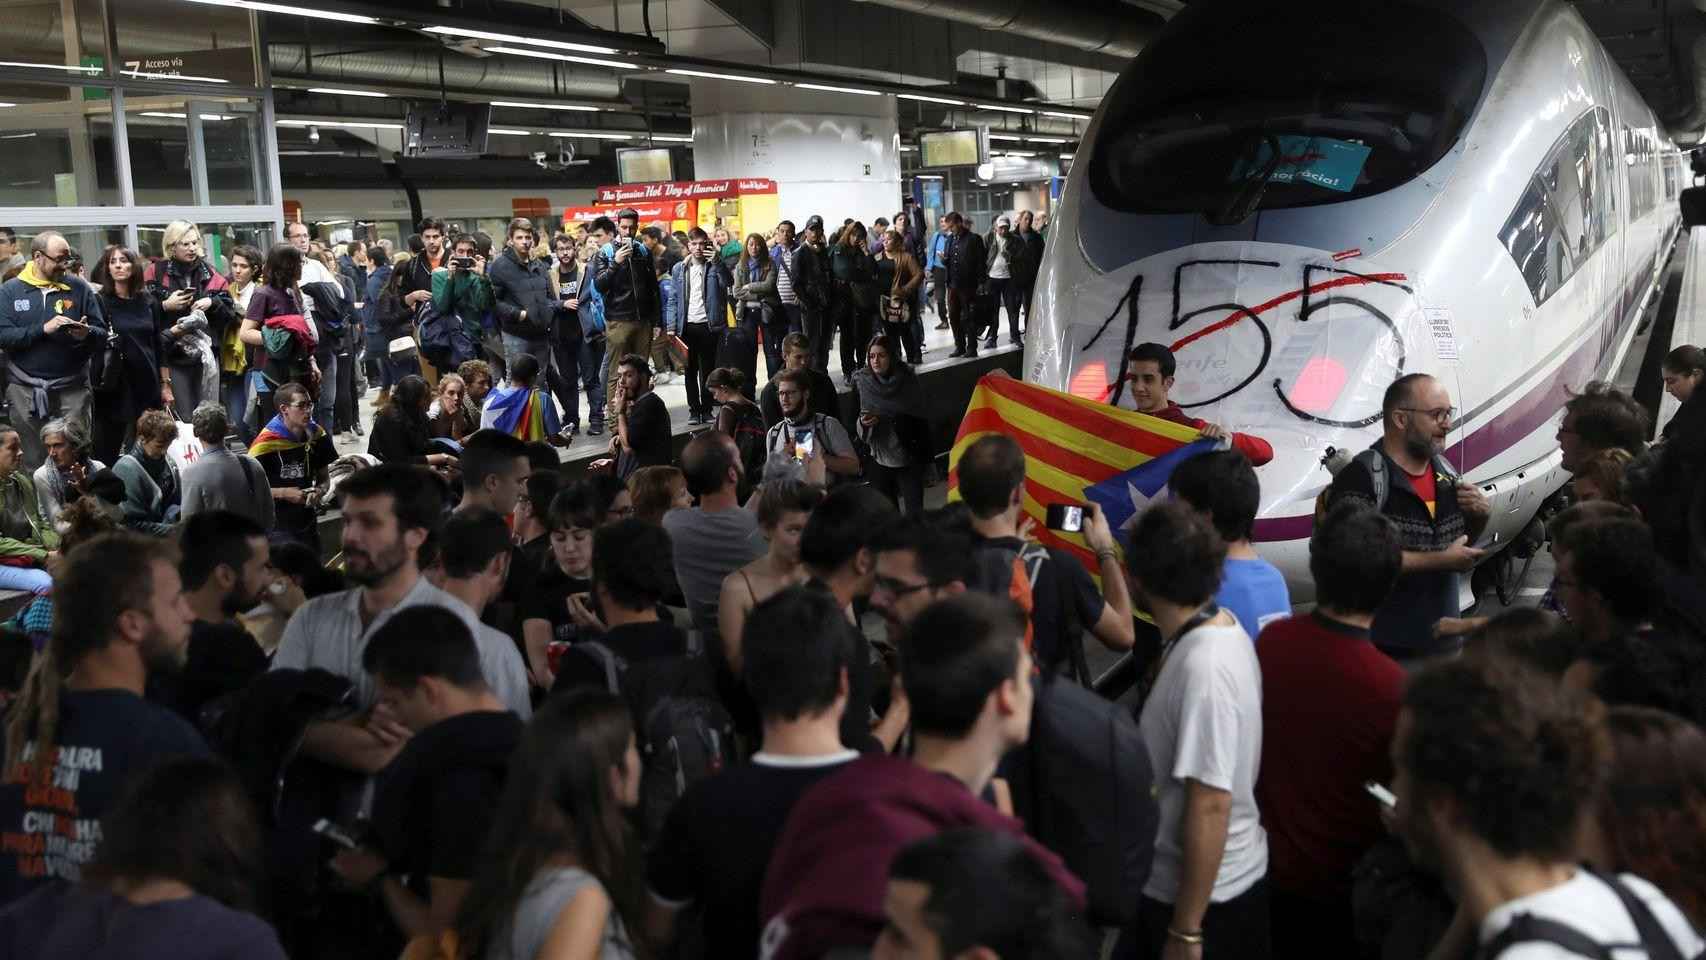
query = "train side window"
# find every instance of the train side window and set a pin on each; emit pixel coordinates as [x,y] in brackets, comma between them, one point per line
[1528,236]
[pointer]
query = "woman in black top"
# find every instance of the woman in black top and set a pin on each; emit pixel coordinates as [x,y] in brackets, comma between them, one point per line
[139,323]
[401,433]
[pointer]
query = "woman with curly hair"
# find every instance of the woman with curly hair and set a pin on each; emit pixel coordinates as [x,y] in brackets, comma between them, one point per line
[152,486]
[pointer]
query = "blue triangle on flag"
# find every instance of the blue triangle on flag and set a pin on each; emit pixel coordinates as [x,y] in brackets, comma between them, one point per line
[1124,496]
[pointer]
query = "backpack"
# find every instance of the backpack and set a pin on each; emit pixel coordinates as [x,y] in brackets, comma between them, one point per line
[1084,786]
[751,439]
[1372,461]
[1655,941]
[1005,571]
[684,733]
[591,305]
[444,343]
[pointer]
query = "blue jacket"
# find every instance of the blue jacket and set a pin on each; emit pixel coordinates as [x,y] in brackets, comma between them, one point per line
[25,308]
[666,290]
[376,281]
[939,251]
[717,283]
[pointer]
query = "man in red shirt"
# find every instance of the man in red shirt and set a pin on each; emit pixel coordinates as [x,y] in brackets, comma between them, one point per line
[1151,376]
[1330,703]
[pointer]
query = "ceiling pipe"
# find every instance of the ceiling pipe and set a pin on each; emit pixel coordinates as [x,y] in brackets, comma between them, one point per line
[488,76]
[1114,29]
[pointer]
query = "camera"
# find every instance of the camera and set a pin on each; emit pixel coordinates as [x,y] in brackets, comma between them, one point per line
[462,263]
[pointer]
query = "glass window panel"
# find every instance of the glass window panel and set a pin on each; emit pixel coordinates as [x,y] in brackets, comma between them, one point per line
[58,145]
[160,39]
[218,239]
[56,35]
[161,158]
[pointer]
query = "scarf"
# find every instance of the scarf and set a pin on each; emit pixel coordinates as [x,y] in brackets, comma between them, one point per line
[276,438]
[894,395]
[34,278]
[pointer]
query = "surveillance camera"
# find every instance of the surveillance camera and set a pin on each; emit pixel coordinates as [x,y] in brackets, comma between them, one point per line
[313,133]
[538,156]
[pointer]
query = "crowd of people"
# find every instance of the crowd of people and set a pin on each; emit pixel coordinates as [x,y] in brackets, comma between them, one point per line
[753,699]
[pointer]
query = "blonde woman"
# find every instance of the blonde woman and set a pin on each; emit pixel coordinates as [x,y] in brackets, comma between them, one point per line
[198,307]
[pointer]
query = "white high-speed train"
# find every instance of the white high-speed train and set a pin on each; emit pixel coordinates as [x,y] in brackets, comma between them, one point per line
[1306,208]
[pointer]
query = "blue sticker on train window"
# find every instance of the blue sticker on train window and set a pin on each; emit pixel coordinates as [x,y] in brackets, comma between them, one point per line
[1321,161]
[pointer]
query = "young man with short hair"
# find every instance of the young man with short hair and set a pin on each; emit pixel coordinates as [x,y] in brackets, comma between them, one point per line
[494,467]
[626,279]
[1496,769]
[426,811]
[578,345]
[523,409]
[970,690]
[918,563]
[1600,418]
[701,302]
[1329,705]
[80,728]
[1222,487]
[1607,578]
[717,537]
[992,484]
[822,398]
[524,297]
[1202,725]
[643,437]
[720,835]
[801,433]
[630,571]
[295,452]
[226,568]
[475,555]
[1151,377]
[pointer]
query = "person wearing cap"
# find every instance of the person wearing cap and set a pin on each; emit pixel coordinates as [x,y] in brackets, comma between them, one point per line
[1008,257]
[811,273]
[627,282]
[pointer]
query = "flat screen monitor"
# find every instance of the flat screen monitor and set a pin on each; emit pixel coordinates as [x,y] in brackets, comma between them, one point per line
[644,164]
[950,148]
[437,128]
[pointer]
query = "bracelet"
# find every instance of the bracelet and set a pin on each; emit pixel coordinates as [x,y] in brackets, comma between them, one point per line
[1108,554]
[1194,938]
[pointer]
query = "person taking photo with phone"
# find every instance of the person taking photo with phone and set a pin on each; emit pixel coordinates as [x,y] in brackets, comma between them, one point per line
[802,434]
[46,318]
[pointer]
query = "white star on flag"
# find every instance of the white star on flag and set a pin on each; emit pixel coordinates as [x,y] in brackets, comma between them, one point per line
[1140,503]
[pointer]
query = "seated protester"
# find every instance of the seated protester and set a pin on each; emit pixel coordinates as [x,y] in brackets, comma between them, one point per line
[390,512]
[477,376]
[523,408]
[971,703]
[152,487]
[474,555]
[222,480]
[452,415]
[1607,573]
[630,568]
[821,397]
[64,476]
[1651,817]
[1222,486]
[27,540]
[1601,477]
[1202,723]
[803,433]
[560,610]
[81,728]
[717,537]
[642,434]
[800,654]
[82,520]
[176,876]
[657,491]
[835,549]
[295,453]
[783,509]
[1064,600]
[559,869]
[400,431]
[1496,770]
[1329,703]
[427,811]
[977,893]
[1151,377]
[226,568]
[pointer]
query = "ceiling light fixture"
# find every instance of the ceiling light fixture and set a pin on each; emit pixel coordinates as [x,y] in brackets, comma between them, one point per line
[523,105]
[1003,109]
[339,91]
[589,135]
[178,116]
[344,124]
[670,138]
[719,76]
[545,55]
[509,133]
[1066,114]
[513,38]
[86,71]
[290,11]
[921,98]
[826,88]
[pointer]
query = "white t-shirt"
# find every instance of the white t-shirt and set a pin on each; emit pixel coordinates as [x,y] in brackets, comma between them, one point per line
[1203,722]
[1589,906]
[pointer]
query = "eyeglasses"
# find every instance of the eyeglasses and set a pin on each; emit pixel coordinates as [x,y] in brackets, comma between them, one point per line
[301,405]
[897,589]
[61,259]
[1442,414]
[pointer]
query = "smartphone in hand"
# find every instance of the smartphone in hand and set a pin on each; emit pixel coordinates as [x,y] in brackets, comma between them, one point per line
[1065,517]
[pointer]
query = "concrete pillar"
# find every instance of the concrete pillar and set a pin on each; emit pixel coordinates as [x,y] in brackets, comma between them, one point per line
[832,154]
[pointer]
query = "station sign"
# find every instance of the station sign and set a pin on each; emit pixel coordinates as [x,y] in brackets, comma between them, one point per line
[686,190]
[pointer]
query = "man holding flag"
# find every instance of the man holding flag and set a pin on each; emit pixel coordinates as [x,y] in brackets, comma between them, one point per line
[295,452]
[1151,376]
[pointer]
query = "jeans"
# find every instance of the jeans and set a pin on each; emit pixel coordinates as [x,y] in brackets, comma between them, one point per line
[25,578]
[819,330]
[234,394]
[325,408]
[791,312]
[855,324]
[564,378]
[939,278]
[962,306]
[904,486]
[344,410]
[774,331]
[626,336]
[701,342]
[1008,294]
[592,358]
[186,390]
[1236,929]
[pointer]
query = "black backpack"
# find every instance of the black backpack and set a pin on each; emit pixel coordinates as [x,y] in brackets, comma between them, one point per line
[684,732]
[1003,570]
[751,439]
[1085,788]
[1528,928]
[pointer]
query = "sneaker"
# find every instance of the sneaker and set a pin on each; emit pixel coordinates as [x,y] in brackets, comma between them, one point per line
[957,353]
[989,343]
[1016,341]
[358,431]
[663,378]
[595,429]
[569,430]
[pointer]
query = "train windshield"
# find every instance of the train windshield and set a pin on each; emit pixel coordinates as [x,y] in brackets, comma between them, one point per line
[1240,108]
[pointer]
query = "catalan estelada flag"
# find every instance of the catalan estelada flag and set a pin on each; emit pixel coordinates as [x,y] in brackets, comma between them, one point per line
[520,412]
[1077,451]
[276,436]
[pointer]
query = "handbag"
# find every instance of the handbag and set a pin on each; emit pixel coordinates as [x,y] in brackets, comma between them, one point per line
[894,310]
[111,376]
